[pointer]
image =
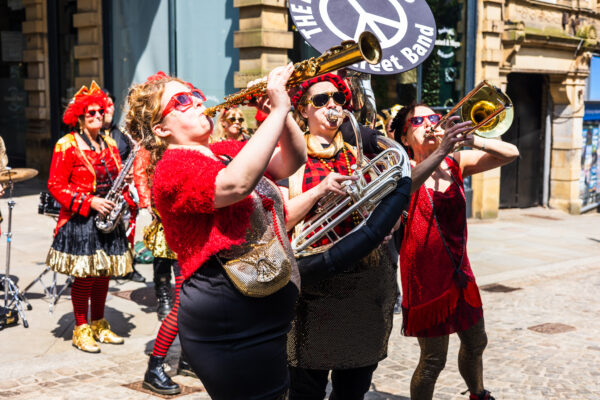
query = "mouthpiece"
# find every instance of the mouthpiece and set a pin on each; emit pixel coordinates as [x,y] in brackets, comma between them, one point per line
[332,115]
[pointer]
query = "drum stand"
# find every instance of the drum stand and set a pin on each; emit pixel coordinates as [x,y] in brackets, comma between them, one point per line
[10,288]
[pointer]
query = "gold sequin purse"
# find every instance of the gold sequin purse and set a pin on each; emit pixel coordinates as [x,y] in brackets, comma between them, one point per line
[262,270]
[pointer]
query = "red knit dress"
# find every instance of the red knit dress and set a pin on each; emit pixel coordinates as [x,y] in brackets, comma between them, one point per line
[432,302]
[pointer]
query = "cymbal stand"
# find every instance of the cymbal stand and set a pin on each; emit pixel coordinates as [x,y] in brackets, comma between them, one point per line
[10,288]
[51,289]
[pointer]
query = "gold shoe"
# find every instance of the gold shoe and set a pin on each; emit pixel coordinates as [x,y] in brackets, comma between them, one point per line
[103,334]
[83,339]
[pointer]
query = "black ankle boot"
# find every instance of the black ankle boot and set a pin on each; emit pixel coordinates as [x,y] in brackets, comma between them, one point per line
[184,368]
[163,295]
[135,276]
[485,395]
[156,380]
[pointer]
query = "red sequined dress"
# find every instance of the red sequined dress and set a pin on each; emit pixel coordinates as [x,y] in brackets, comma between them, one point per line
[433,304]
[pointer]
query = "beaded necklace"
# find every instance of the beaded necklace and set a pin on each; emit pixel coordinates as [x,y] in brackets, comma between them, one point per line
[355,216]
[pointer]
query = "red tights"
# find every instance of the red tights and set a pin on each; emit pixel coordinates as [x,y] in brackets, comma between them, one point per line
[168,328]
[91,290]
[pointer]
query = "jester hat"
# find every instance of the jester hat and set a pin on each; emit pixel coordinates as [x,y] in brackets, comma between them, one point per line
[82,100]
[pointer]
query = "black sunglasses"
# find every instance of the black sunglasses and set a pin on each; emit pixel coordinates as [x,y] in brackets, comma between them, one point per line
[321,99]
[233,119]
[92,113]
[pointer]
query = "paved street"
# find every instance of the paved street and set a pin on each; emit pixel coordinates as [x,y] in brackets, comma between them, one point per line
[539,267]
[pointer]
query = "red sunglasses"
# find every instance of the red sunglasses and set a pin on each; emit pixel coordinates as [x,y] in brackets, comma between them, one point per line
[92,113]
[182,101]
[418,121]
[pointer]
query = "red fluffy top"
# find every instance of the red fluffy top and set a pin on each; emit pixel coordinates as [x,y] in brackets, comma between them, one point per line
[184,193]
[82,100]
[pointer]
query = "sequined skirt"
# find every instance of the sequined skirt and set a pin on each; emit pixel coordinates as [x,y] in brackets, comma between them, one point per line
[345,321]
[80,250]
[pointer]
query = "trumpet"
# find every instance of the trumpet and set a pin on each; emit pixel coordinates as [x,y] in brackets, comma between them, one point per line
[367,48]
[490,110]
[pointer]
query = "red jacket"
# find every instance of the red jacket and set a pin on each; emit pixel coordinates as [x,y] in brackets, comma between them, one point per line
[140,177]
[72,177]
[184,194]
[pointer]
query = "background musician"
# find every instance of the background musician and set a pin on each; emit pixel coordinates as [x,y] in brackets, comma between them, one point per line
[230,125]
[440,295]
[84,163]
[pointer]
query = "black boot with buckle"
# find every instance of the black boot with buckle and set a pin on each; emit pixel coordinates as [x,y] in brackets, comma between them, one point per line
[162,287]
[156,380]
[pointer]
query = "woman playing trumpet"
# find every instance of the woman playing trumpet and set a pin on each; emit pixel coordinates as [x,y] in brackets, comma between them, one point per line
[440,295]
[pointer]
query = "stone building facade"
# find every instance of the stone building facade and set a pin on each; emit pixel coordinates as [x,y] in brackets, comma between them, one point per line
[516,40]
[555,41]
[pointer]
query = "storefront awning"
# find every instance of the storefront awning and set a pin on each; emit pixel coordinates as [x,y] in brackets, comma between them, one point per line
[592,111]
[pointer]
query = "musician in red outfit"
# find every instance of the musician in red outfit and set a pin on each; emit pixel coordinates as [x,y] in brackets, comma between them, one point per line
[84,164]
[214,202]
[440,295]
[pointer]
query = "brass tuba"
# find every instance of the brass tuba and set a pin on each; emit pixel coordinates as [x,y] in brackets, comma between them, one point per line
[490,109]
[347,53]
[384,171]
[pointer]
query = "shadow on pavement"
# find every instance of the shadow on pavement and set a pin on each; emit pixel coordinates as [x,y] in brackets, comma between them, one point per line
[120,323]
[374,394]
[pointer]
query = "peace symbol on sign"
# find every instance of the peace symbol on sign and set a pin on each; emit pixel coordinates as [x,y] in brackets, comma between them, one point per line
[369,21]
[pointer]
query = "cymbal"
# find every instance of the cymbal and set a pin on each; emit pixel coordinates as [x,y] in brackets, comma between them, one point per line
[17,174]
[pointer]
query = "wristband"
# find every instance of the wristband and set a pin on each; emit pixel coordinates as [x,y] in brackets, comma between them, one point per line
[483,145]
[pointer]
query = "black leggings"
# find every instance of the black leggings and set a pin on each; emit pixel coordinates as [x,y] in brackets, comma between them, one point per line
[347,384]
[235,344]
[433,359]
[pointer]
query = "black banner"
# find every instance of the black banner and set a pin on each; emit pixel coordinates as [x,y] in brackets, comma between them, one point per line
[405,29]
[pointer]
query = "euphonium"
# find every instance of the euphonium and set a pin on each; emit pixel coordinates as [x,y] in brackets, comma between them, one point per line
[347,53]
[363,195]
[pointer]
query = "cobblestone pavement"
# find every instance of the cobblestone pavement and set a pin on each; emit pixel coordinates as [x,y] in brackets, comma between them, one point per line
[551,257]
[519,363]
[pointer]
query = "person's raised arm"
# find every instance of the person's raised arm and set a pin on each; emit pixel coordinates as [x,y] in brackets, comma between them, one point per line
[490,154]
[291,153]
[425,168]
[240,177]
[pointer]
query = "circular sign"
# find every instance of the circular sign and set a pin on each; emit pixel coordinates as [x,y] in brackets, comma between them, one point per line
[405,29]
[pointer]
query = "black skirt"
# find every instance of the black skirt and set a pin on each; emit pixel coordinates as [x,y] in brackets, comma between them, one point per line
[235,344]
[79,249]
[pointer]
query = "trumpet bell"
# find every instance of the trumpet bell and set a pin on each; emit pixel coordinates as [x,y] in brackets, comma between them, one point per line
[484,103]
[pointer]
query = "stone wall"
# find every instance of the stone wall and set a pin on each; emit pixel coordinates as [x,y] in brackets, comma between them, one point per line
[38,138]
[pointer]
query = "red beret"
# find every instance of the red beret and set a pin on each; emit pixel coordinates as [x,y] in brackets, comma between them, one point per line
[336,80]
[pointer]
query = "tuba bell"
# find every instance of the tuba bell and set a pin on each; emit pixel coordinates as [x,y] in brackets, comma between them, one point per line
[490,110]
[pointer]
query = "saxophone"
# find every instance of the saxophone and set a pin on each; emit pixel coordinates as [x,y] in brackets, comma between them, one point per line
[109,222]
[366,48]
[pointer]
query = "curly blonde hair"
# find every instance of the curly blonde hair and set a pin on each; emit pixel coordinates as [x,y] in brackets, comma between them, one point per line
[220,132]
[143,112]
